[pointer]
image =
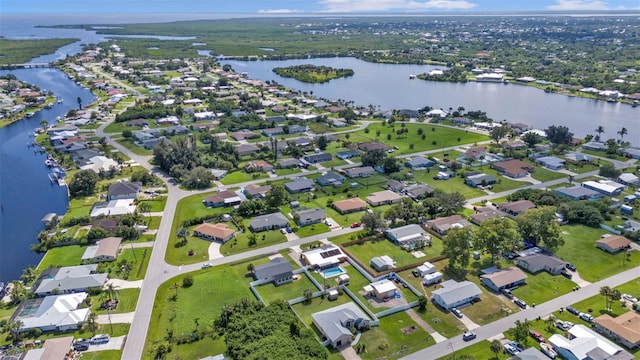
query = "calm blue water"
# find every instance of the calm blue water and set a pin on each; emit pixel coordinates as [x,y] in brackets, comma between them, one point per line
[26,194]
[332,272]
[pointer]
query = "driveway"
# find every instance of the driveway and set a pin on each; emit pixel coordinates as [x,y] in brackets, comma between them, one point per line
[124,318]
[468,323]
[115,343]
[120,284]
[214,250]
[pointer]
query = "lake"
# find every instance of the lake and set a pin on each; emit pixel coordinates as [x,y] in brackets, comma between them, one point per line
[26,194]
[389,86]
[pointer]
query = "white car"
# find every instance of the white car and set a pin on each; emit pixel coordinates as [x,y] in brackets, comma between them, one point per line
[206,265]
[586,317]
[629,298]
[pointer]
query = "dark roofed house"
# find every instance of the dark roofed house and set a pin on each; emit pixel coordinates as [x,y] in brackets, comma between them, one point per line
[268,222]
[579,193]
[419,163]
[288,163]
[298,185]
[273,131]
[278,270]
[330,178]
[504,279]
[394,185]
[537,262]
[417,191]
[514,145]
[348,154]
[258,165]
[516,208]
[109,224]
[483,214]
[551,162]
[297,129]
[373,145]
[363,171]
[318,158]
[595,146]
[480,180]
[311,216]
[243,134]
[513,168]
[246,149]
[123,190]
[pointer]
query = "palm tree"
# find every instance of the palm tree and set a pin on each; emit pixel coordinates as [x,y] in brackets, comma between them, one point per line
[28,275]
[495,347]
[111,292]
[308,294]
[622,133]
[14,328]
[91,323]
[606,292]
[600,131]
[44,123]
[145,207]
[250,268]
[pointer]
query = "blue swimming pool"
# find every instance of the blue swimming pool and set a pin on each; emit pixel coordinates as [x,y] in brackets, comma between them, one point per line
[333,272]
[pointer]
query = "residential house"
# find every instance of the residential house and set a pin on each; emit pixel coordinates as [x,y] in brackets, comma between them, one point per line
[318,158]
[578,158]
[394,185]
[278,271]
[504,279]
[595,146]
[258,166]
[52,313]
[169,120]
[244,135]
[515,208]
[474,153]
[311,216]
[268,222]
[246,149]
[608,188]
[426,268]
[418,191]
[551,162]
[108,224]
[535,263]
[104,250]
[69,279]
[458,120]
[613,244]
[82,157]
[52,349]
[324,257]
[409,236]
[99,164]
[483,214]
[218,173]
[363,171]
[514,145]
[382,263]
[256,191]
[350,205]
[348,154]
[297,129]
[443,224]
[372,145]
[384,197]
[513,168]
[578,192]
[330,178]
[298,185]
[629,179]
[455,294]
[419,163]
[631,152]
[124,190]
[480,180]
[288,163]
[222,198]
[268,132]
[584,343]
[623,329]
[216,232]
[301,141]
[383,289]
[336,323]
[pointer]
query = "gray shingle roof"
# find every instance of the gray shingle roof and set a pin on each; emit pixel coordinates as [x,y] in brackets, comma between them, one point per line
[331,321]
[274,268]
[453,291]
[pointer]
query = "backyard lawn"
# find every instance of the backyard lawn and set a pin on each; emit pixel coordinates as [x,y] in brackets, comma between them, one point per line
[239,176]
[128,299]
[211,289]
[370,249]
[69,255]
[240,243]
[592,263]
[157,204]
[396,336]
[138,258]
[306,308]
[271,293]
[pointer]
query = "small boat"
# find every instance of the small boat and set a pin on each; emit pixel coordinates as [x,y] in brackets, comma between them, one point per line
[611,100]
[60,101]
[49,162]
[635,103]
[30,114]
[547,349]
[48,106]
[411,76]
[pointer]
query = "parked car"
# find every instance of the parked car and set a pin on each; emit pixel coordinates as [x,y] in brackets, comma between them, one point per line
[629,298]
[573,310]
[536,335]
[507,293]
[521,303]
[564,325]
[206,265]
[566,273]
[283,230]
[570,266]
[457,312]
[586,317]
[468,336]
[355,225]
[416,273]
[81,346]
[100,339]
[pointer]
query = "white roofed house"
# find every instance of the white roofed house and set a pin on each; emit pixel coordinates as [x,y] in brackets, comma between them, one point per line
[454,294]
[382,263]
[410,236]
[52,313]
[324,257]
[584,343]
[382,289]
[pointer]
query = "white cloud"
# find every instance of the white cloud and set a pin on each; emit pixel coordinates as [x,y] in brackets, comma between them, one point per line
[278,11]
[383,5]
[579,5]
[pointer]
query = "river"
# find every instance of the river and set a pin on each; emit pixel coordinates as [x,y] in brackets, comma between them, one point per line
[389,86]
[26,194]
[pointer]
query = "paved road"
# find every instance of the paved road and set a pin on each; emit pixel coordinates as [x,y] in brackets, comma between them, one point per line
[542,310]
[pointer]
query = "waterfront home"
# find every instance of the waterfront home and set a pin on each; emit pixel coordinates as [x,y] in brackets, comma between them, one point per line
[503,279]
[216,232]
[222,198]
[623,329]
[454,294]
[278,271]
[106,249]
[310,217]
[268,222]
[443,224]
[513,168]
[52,313]
[515,208]
[69,279]
[350,205]
[99,164]
[298,185]
[336,323]
[613,244]
[330,178]
[384,197]
[124,190]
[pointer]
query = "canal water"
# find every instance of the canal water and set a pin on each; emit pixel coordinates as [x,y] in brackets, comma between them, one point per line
[26,193]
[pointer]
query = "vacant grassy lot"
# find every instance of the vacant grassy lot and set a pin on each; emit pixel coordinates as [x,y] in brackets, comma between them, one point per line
[543,287]
[239,176]
[102,355]
[270,292]
[451,185]
[157,204]
[128,299]
[396,336]
[241,242]
[592,263]
[211,289]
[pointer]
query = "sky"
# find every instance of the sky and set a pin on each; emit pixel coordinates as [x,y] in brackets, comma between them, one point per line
[304,6]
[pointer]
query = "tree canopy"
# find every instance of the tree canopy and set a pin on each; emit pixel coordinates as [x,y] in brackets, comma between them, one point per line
[540,227]
[83,183]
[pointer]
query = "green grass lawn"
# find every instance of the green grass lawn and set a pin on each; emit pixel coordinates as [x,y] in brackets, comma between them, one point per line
[281,172]
[128,299]
[102,355]
[79,207]
[368,250]
[543,287]
[211,289]
[62,256]
[129,144]
[592,263]
[583,168]
[239,176]
[271,293]
[435,137]
[138,258]
[240,243]
[310,230]
[306,308]
[544,175]
[451,185]
[605,155]
[396,336]
[118,330]
[157,204]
